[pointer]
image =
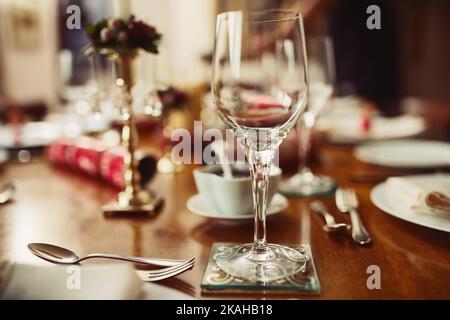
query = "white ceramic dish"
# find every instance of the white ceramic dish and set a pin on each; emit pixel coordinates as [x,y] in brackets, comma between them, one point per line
[42,133]
[408,153]
[33,134]
[202,208]
[230,196]
[385,201]
[347,129]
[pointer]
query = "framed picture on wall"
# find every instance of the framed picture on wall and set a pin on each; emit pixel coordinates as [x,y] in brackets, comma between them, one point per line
[24,20]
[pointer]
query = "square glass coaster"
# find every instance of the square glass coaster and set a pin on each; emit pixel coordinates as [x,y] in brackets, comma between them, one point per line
[216,281]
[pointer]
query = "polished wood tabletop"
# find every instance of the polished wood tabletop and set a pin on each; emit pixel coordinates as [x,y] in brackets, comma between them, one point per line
[60,207]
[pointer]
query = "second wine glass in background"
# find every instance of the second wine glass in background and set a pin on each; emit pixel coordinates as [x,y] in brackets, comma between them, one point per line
[321,81]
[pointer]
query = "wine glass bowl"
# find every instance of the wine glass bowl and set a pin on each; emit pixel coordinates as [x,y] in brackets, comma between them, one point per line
[259,86]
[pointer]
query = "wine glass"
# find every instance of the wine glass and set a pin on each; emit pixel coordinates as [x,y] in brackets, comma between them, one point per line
[259,87]
[102,82]
[321,79]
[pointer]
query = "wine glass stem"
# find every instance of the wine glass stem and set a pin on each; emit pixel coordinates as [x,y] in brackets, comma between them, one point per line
[260,162]
[304,129]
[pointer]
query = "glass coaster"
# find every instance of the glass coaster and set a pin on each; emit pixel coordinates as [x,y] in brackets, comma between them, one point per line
[216,281]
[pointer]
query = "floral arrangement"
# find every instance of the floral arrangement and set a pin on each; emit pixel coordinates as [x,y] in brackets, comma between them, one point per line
[113,35]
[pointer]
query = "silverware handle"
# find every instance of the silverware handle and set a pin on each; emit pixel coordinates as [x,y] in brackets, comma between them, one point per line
[321,210]
[149,261]
[359,232]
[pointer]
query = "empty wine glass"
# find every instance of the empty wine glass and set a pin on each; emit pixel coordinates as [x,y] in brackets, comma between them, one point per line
[321,79]
[102,81]
[259,88]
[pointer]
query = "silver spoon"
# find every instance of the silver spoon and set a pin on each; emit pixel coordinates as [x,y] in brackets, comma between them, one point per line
[61,255]
[6,192]
[219,149]
[331,225]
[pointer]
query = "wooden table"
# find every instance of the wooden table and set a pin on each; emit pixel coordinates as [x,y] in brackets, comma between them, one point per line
[56,206]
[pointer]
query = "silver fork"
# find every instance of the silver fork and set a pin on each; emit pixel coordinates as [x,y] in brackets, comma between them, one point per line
[157,275]
[347,202]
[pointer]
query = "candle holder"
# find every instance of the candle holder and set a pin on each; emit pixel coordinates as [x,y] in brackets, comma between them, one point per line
[133,198]
[121,39]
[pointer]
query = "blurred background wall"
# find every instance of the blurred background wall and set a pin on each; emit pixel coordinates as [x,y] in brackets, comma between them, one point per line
[29,47]
[408,57]
[32,32]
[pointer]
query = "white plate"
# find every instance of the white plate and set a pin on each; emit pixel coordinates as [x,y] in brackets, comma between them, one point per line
[74,124]
[33,134]
[405,153]
[346,129]
[42,133]
[385,201]
[200,207]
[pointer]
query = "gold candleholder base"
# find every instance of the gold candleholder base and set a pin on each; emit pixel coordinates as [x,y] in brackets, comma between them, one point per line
[143,202]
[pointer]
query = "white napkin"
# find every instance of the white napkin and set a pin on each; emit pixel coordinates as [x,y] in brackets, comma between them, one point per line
[404,125]
[349,127]
[424,196]
[71,282]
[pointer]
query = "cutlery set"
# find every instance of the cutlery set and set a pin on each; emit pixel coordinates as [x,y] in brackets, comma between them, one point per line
[346,202]
[59,255]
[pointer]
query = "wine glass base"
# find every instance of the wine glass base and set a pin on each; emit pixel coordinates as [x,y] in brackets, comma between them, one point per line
[277,262]
[217,281]
[313,185]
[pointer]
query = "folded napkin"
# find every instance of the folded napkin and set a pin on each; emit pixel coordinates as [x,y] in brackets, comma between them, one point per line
[71,282]
[350,126]
[430,196]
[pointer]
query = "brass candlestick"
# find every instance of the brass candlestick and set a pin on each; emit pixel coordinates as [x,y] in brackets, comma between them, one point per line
[133,198]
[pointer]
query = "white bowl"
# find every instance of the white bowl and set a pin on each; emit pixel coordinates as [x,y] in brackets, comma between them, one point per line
[231,196]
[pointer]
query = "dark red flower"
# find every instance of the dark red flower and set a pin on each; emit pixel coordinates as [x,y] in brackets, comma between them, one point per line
[122,37]
[115,24]
[140,31]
